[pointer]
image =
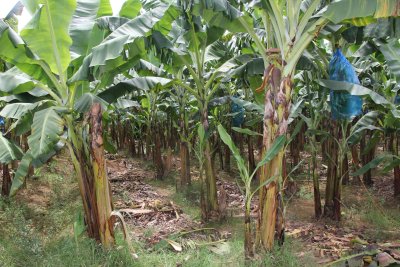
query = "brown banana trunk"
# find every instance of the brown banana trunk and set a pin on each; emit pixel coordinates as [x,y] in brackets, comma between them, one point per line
[92,178]
[148,144]
[396,169]
[157,155]
[248,240]
[295,149]
[336,174]
[102,192]
[220,155]
[396,174]
[337,193]
[317,194]
[185,180]
[227,166]
[211,183]
[6,186]
[345,171]
[367,157]
[332,151]
[356,163]
[271,221]
[133,146]
[210,179]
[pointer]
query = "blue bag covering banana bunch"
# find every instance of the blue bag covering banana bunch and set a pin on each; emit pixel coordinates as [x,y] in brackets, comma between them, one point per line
[238,118]
[2,124]
[343,104]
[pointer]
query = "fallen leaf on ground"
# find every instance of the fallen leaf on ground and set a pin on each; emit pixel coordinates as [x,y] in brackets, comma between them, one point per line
[175,245]
[220,248]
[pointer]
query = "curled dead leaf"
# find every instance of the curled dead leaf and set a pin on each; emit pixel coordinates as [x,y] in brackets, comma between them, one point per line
[176,246]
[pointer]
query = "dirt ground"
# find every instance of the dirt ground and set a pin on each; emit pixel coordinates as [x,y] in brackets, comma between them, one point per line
[133,189]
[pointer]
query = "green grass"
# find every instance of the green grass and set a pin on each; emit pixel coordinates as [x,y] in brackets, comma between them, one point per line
[385,223]
[305,193]
[379,220]
[23,244]
[43,236]
[189,201]
[168,180]
[287,256]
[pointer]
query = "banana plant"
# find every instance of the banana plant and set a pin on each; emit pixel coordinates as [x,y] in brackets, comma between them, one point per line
[194,45]
[314,100]
[154,115]
[182,97]
[381,39]
[14,151]
[367,122]
[294,25]
[43,67]
[63,74]
[9,152]
[247,178]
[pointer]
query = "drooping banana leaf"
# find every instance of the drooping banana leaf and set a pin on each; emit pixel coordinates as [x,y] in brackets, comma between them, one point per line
[352,10]
[273,151]
[12,83]
[23,124]
[249,106]
[17,110]
[81,26]
[126,103]
[130,34]
[9,151]
[85,102]
[14,50]
[27,160]
[225,137]
[110,23]
[220,13]
[139,27]
[246,131]
[46,130]
[372,164]
[359,90]
[21,173]
[391,51]
[47,33]
[366,122]
[112,93]
[381,29]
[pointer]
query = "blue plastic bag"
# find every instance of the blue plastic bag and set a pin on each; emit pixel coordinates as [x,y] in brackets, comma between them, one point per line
[2,125]
[343,104]
[238,118]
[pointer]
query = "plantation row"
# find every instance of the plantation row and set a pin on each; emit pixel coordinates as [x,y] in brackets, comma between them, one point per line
[257,81]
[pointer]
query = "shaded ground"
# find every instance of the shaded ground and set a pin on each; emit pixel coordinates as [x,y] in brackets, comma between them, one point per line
[148,209]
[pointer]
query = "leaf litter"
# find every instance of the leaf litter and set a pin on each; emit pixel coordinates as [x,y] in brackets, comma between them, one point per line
[148,210]
[147,207]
